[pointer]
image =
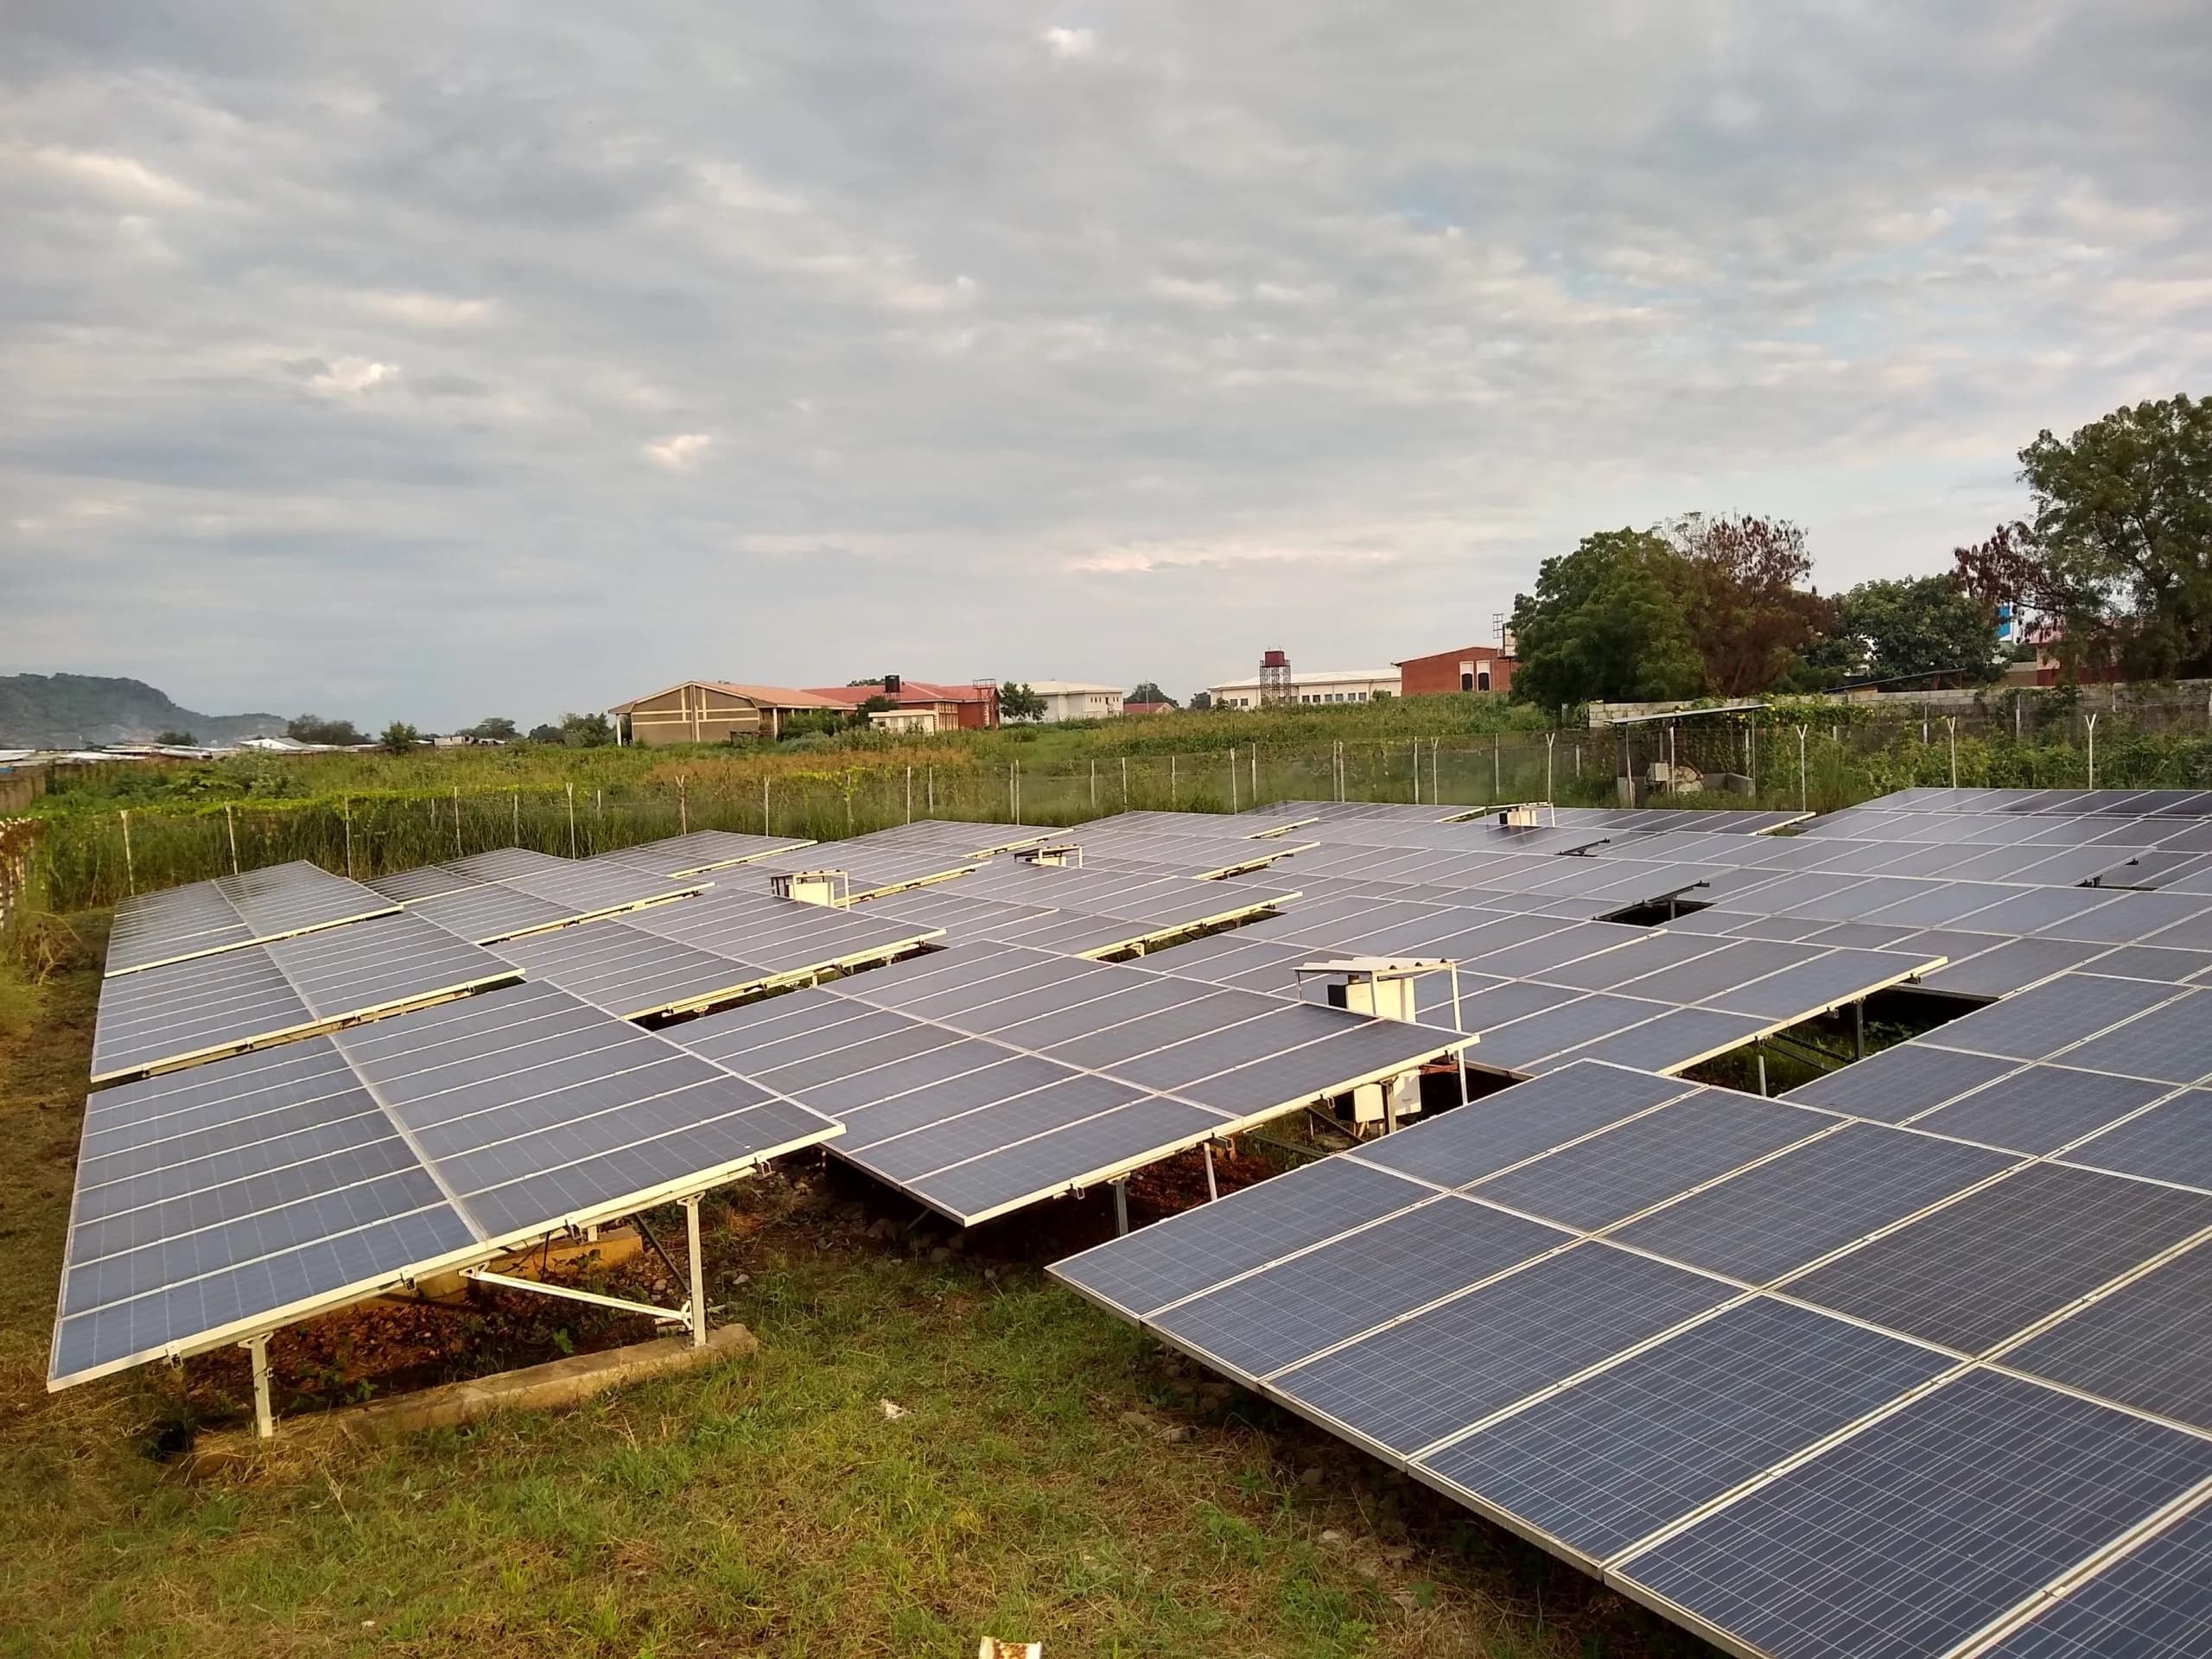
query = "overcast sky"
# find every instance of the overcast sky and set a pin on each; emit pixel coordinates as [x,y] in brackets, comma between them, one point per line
[362,360]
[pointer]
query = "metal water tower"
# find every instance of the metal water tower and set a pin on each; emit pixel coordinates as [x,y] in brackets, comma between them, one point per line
[1275,677]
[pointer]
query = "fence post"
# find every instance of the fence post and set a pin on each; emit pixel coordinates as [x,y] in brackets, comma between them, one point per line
[1497,766]
[1125,782]
[1951,736]
[517,826]
[1801,790]
[1174,790]
[1435,793]
[1232,778]
[909,794]
[1416,750]
[129,864]
[346,806]
[572,819]
[682,809]
[2092,721]
[457,848]
[1551,742]
[1752,754]
[231,823]
[929,781]
[1094,786]
[1255,774]
[764,806]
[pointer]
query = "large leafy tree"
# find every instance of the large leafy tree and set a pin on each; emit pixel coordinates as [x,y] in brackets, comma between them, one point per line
[1606,623]
[1922,625]
[1017,701]
[2122,534]
[1746,597]
[314,728]
[1149,691]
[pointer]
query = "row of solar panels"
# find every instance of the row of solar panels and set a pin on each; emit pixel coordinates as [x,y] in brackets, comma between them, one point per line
[1811,1384]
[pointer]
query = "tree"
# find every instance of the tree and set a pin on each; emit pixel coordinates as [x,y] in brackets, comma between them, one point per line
[546,734]
[1201,700]
[2123,528]
[177,741]
[1018,702]
[1924,625]
[1606,624]
[496,729]
[400,738]
[1745,598]
[314,728]
[585,731]
[1149,691]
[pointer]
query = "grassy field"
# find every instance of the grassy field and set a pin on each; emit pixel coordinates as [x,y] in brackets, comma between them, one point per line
[1055,1477]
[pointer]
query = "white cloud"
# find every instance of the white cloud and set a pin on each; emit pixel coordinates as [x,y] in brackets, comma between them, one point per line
[678,453]
[1182,290]
[121,178]
[1070,42]
[428,310]
[349,376]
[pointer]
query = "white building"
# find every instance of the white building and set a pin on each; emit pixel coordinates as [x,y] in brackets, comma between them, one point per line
[1323,685]
[1073,699]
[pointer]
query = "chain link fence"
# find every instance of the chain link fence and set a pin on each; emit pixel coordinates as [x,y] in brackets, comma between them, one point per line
[1815,764]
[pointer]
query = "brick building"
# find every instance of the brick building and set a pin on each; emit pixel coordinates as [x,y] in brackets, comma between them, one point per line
[1470,667]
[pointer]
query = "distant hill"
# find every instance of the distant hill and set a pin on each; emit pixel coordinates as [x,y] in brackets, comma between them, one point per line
[39,711]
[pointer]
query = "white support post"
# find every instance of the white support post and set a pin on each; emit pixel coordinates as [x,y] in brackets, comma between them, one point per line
[682,809]
[1125,782]
[1094,786]
[516,839]
[698,1273]
[1551,743]
[764,806]
[457,849]
[2092,721]
[1802,792]
[1761,1054]
[909,794]
[1255,774]
[1232,778]
[1951,736]
[1213,1190]
[572,820]
[264,1419]
[1434,792]
[1122,1207]
[231,823]
[347,806]
[131,865]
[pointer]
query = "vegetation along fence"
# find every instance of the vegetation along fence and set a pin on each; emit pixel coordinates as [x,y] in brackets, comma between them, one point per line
[1816,760]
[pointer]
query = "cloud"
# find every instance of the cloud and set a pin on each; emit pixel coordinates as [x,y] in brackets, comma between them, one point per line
[1273,322]
[678,453]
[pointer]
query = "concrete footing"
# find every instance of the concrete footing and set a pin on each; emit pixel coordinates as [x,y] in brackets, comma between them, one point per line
[535,1388]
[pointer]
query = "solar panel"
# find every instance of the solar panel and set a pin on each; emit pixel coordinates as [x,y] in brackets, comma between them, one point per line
[1412,1384]
[2172,1142]
[203,917]
[2171,1044]
[1295,1308]
[1675,1040]
[1502,1129]
[183,1012]
[700,852]
[2011,966]
[1901,1082]
[2041,1108]
[1615,1458]
[1633,1165]
[1156,1266]
[251,1192]
[2036,1024]
[1910,1535]
[1521,1045]
[1782,1214]
[1987,1267]
[2155,1602]
[2147,1344]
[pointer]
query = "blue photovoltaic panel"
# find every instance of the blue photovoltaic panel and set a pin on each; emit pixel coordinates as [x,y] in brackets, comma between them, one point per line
[1414,1382]
[2037,1023]
[2147,1344]
[1502,1130]
[1977,1271]
[1906,1538]
[2041,1108]
[1294,1309]
[2154,1603]
[1794,1209]
[1243,1230]
[2172,1142]
[1615,1458]
[1612,1174]
[1901,1082]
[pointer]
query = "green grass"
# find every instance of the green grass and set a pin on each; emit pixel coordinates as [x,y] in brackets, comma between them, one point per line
[766,1505]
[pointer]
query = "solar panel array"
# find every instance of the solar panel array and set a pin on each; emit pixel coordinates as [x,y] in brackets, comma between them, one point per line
[699,953]
[205,918]
[700,852]
[183,1012]
[512,892]
[984,1077]
[262,1189]
[1810,1382]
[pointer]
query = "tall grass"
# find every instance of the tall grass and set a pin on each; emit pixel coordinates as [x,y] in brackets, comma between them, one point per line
[375,814]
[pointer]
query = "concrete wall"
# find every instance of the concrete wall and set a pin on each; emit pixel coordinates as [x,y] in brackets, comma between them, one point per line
[2195,694]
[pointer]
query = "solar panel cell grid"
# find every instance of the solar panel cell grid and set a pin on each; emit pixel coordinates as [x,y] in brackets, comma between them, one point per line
[1295,1308]
[2154,1603]
[1416,1382]
[2172,1142]
[1908,1537]
[2041,1108]
[1619,1455]
[1974,1272]
[2147,1344]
